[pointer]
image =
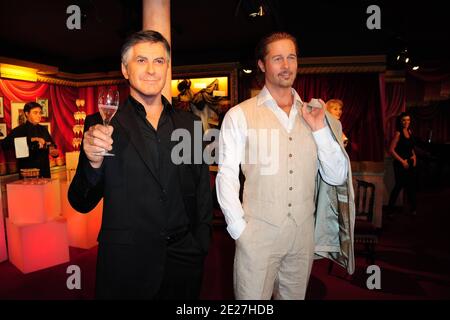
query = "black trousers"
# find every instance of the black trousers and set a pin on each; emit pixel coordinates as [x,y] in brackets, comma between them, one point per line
[183,270]
[404,179]
[123,271]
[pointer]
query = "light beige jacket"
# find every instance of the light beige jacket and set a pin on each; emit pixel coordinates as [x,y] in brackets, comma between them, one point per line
[335,213]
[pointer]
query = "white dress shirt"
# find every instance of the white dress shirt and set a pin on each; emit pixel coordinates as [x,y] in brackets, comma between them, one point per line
[333,164]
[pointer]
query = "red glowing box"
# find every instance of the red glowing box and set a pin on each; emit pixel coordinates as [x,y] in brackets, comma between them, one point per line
[3,253]
[37,246]
[82,228]
[36,202]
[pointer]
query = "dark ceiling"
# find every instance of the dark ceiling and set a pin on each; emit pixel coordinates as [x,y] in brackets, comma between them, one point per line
[205,31]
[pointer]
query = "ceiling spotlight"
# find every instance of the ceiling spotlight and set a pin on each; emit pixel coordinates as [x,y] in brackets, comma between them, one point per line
[259,13]
[416,68]
[403,57]
[247,71]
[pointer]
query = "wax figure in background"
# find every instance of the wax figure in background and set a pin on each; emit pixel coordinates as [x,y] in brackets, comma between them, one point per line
[274,227]
[335,107]
[155,230]
[40,143]
[405,161]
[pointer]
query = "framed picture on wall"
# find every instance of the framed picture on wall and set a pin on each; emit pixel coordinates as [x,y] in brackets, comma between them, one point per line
[3,132]
[1,108]
[44,103]
[207,90]
[17,114]
[47,125]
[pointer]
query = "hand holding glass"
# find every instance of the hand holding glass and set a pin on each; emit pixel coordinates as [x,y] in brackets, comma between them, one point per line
[108,103]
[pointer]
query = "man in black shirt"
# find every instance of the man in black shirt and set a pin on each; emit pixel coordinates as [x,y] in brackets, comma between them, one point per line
[39,141]
[155,229]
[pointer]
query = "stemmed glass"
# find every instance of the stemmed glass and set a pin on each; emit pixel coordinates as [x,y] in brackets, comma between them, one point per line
[108,103]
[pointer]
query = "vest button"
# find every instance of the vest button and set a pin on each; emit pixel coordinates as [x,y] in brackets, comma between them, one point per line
[290,188]
[291,172]
[290,138]
[289,214]
[290,155]
[290,205]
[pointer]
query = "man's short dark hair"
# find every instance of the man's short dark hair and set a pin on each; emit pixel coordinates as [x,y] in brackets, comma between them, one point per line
[261,48]
[31,105]
[143,36]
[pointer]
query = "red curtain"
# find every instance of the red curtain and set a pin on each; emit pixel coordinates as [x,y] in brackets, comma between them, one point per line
[395,104]
[61,100]
[362,119]
[19,91]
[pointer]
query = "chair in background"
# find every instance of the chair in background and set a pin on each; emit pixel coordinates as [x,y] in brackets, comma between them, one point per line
[366,234]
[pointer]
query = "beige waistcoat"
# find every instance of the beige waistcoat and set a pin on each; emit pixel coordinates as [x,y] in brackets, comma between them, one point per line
[280,168]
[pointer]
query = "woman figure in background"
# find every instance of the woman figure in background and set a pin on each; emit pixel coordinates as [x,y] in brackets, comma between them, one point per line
[402,150]
[335,106]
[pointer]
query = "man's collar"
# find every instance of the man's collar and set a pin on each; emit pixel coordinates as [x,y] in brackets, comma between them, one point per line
[167,107]
[264,96]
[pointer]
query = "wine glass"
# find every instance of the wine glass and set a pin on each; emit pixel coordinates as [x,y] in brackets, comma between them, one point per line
[108,103]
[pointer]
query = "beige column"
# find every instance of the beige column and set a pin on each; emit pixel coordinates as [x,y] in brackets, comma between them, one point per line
[156,16]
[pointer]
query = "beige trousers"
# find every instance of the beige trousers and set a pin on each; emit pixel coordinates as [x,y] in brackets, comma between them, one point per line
[272,260]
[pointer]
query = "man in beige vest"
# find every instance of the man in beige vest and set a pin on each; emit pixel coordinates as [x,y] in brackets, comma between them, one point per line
[287,151]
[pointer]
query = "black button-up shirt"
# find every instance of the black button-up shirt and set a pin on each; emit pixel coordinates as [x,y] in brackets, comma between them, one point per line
[160,144]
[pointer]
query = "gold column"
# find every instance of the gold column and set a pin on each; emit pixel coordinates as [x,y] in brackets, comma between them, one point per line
[156,16]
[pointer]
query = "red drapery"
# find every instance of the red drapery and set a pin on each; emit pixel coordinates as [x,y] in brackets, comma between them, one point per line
[63,106]
[362,117]
[20,91]
[61,101]
[395,104]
